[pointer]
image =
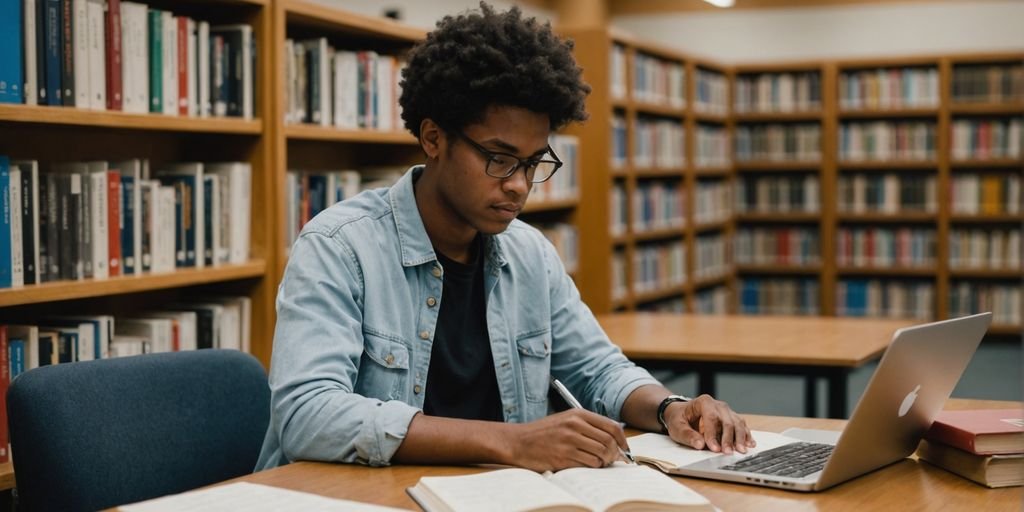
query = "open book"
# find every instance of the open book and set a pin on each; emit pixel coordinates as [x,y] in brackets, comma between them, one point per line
[618,488]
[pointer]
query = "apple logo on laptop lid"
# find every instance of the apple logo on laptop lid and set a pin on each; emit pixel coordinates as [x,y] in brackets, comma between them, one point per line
[908,401]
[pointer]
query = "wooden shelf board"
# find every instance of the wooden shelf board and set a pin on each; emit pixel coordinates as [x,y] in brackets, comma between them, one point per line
[888,271]
[318,15]
[658,234]
[767,165]
[706,282]
[813,269]
[888,217]
[67,290]
[808,115]
[712,171]
[868,113]
[552,205]
[966,273]
[801,217]
[621,239]
[716,225]
[1013,330]
[792,66]
[326,133]
[989,162]
[664,293]
[34,114]
[985,219]
[994,108]
[864,165]
[658,109]
[709,117]
[659,173]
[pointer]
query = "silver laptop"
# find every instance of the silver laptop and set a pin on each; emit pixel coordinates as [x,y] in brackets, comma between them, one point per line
[914,379]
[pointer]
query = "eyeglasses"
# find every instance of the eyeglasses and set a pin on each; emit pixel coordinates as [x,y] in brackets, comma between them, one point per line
[503,165]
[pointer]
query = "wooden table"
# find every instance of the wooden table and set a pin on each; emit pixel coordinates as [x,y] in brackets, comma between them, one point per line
[810,346]
[905,485]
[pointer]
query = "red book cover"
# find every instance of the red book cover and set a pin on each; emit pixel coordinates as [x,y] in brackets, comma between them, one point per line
[113,44]
[5,382]
[983,431]
[182,22]
[114,221]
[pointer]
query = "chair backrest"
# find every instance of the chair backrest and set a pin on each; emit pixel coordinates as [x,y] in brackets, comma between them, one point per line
[97,434]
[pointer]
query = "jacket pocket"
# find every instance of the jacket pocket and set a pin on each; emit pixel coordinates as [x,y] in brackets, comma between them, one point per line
[535,358]
[385,367]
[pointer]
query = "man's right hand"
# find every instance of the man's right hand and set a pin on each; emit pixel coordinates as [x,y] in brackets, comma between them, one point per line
[573,438]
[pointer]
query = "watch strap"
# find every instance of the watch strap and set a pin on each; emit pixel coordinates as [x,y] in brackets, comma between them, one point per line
[669,400]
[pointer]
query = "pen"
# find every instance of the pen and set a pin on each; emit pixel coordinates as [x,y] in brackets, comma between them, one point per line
[575,404]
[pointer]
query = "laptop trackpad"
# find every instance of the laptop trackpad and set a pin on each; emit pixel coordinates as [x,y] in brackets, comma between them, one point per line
[812,435]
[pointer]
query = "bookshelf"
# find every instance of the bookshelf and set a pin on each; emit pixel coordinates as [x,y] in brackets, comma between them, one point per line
[54,134]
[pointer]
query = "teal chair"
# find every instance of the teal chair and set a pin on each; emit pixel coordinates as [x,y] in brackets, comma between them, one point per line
[98,434]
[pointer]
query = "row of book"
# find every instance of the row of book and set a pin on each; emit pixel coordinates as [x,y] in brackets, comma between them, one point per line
[619,141]
[778,92]
[658,81]
[617,74]
[659,144]
[308,193]
[779,296]
[778,142]
[215,322]
[712,93]
[993,193]
[566,239]
[125,56]
[94,220]
[1003,300]
[345,89]
[886,193]
[565,183]
[989,138]
[715,300]
[989,249]
[671,305]
[885,247]
[620,279]
[886,141]
[889,88]
[658,266]
[714,201]
[778,246]
[885,298]
[618,208]
[712,147]
[658,204]
[988,83]
[714,256]
[778,194]
[985,446]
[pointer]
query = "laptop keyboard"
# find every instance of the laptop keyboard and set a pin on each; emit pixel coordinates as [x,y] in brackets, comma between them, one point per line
[794,460]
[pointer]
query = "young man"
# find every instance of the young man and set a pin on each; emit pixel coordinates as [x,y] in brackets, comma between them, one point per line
[423,323]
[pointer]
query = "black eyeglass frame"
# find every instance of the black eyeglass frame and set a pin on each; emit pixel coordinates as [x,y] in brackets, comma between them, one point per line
[520,163]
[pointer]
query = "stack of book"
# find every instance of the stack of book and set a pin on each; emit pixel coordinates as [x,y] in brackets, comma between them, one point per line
[986,446]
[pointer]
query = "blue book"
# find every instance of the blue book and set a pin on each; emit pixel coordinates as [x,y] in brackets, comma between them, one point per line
[54,49]
[16,348]
[5,222]
[12,80]
[128,225]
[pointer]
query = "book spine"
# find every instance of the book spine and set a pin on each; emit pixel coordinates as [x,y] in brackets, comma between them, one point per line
[78,61]
[29,224]
[147,197]
[170,63]
[5,223]
[52,197]
[115,223]
[54,91]
[97,64]
[5,383]
[156,64]
[12,81]
[127,225]
[113,53]
[181,23]
[30,28]
[17,262]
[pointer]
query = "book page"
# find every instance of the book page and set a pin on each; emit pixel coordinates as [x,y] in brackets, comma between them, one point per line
[666,454]
[621,483]
[251,498]
[504,490]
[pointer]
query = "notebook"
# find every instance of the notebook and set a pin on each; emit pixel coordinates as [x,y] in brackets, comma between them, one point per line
[912,382]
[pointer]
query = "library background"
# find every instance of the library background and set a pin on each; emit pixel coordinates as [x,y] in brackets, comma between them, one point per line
[837,158]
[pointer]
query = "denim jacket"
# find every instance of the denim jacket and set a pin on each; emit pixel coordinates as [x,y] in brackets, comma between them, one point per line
[356,313]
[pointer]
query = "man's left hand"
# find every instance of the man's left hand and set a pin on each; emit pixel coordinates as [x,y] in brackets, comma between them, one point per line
[706,422]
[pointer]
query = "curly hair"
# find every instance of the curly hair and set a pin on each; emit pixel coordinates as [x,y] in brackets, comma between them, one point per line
[472,61]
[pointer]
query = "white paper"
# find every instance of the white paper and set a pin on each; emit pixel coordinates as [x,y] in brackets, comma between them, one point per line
[251,498]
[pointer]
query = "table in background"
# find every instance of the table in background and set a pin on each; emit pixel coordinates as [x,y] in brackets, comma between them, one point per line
[810,346]
[905,485]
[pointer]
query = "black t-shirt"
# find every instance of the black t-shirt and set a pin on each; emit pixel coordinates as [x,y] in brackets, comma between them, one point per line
[461,382]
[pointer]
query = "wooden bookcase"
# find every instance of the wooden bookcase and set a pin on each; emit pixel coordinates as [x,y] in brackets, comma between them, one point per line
[60,134]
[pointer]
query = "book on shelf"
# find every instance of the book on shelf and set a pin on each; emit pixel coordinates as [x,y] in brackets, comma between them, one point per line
[982,432]
[618,488]
[988,470]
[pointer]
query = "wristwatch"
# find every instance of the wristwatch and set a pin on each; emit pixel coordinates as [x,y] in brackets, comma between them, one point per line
[671,399]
